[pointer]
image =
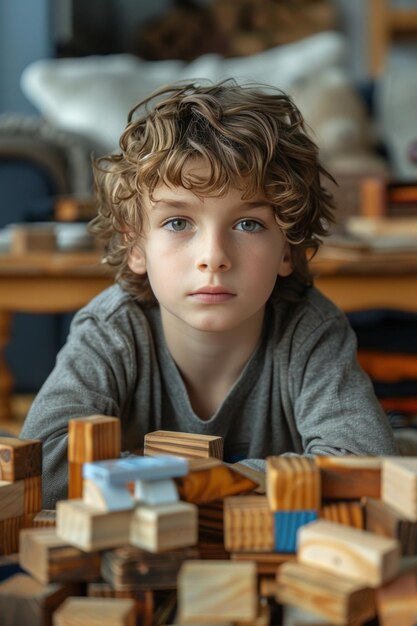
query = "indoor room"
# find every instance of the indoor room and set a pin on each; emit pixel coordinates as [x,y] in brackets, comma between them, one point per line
[208,312]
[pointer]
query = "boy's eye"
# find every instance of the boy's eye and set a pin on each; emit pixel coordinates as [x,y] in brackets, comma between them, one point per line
[249,226]
[177,224]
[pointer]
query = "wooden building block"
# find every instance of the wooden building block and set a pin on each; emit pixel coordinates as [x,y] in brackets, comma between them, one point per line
[144,600]
[92,438]
[397,602]
[50,559]
[383,519]
[338,599]
[129,568]
[248,524]
[292,483]
[267,563]
[211,521]
[105,497]
[164,527]
[26,602]
[33,494]
[187,445]
[33,238]
[91,529]
[348,513]
[217,592]
[356,554]
[12,499]
[212,484]
[350,477]
[286,526]
[399,485]
[20,458]
[45,518]
[96,612]
[121,471]
[9,534]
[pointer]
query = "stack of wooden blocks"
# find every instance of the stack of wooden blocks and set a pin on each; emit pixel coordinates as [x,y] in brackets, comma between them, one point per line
[142,539]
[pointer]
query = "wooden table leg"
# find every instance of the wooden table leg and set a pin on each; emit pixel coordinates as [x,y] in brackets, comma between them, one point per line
[6,379]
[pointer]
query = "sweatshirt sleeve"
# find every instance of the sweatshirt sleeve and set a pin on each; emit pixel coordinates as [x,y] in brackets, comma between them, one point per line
[91,376]
[335,409]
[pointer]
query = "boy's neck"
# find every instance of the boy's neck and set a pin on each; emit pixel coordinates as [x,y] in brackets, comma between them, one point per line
[210,362]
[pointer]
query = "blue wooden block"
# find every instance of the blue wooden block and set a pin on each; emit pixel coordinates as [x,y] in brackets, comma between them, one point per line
[120,471]
[286,524]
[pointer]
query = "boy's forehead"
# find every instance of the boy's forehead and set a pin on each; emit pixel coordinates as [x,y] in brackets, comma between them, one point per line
[164,194]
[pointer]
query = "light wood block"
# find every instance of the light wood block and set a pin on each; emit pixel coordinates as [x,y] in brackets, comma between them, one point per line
[350,477]
[20,458]
[12,499]
[292,483]
[248,524]
[144,600]
[214,483]
[50,559]
[338,599]
[187,445]
[267,563]
[399,485]
[347,513]
[92,438]
[382,519]
[217,592]
[96,612]
[356,554]
[26,602]
[397,602]
[45,518]
[164,527]
[107,497]
[91,529]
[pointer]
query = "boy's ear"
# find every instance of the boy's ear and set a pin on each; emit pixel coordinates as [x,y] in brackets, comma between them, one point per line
[137,260]
[286,266]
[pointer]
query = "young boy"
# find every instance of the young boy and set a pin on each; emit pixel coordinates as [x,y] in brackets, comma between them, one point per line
[213,326]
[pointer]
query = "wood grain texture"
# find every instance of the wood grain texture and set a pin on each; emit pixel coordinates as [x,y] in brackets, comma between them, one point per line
[144,600]
[96,612]
[338,599]
[129,568]
[248,524]
[217,591]
[267,563]
[90,529]
[212,484]
[347,513]
[399,485]
[349,477]
[187,445]
[93,438]
[383,519]
[50,559]
[357,554]
[45,518]
[33,494]
[292,483]
[397,602]
[12,499]
[164,527]
[9,533]
[20,458]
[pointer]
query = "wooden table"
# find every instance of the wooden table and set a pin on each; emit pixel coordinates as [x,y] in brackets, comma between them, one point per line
[63,282]
[43,283]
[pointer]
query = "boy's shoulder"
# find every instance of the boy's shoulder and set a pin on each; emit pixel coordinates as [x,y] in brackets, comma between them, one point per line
[113,305]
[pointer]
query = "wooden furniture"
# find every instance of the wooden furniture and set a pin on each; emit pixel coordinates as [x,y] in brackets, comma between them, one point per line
[386,22]
[62,282]
[43,283]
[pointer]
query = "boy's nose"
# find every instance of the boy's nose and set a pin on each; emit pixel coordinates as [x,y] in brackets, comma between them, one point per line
[212,255]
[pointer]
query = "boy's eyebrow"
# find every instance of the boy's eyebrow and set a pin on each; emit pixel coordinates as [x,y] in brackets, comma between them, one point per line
[178,204]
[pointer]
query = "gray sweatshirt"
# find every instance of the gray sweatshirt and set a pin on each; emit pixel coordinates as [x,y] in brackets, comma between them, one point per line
[302,390]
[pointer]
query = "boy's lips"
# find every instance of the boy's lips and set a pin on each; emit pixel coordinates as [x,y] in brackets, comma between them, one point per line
[212,295]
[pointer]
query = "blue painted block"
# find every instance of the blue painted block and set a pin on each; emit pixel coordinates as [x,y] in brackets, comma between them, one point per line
[120,471]
[286,524]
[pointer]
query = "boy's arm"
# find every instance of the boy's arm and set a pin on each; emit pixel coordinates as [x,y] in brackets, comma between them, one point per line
[335,410]
[90,377]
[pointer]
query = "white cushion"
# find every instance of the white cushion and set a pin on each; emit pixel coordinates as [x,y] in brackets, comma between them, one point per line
[93,95]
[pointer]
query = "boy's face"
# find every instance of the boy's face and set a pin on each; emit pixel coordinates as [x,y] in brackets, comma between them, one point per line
[212,262]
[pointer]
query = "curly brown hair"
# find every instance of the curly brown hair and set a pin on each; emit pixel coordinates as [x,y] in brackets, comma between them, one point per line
[250,135]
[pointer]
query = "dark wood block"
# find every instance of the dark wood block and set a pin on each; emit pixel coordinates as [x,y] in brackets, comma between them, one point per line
[20,458]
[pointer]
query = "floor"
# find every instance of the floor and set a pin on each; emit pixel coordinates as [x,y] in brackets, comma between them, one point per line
[20,407]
